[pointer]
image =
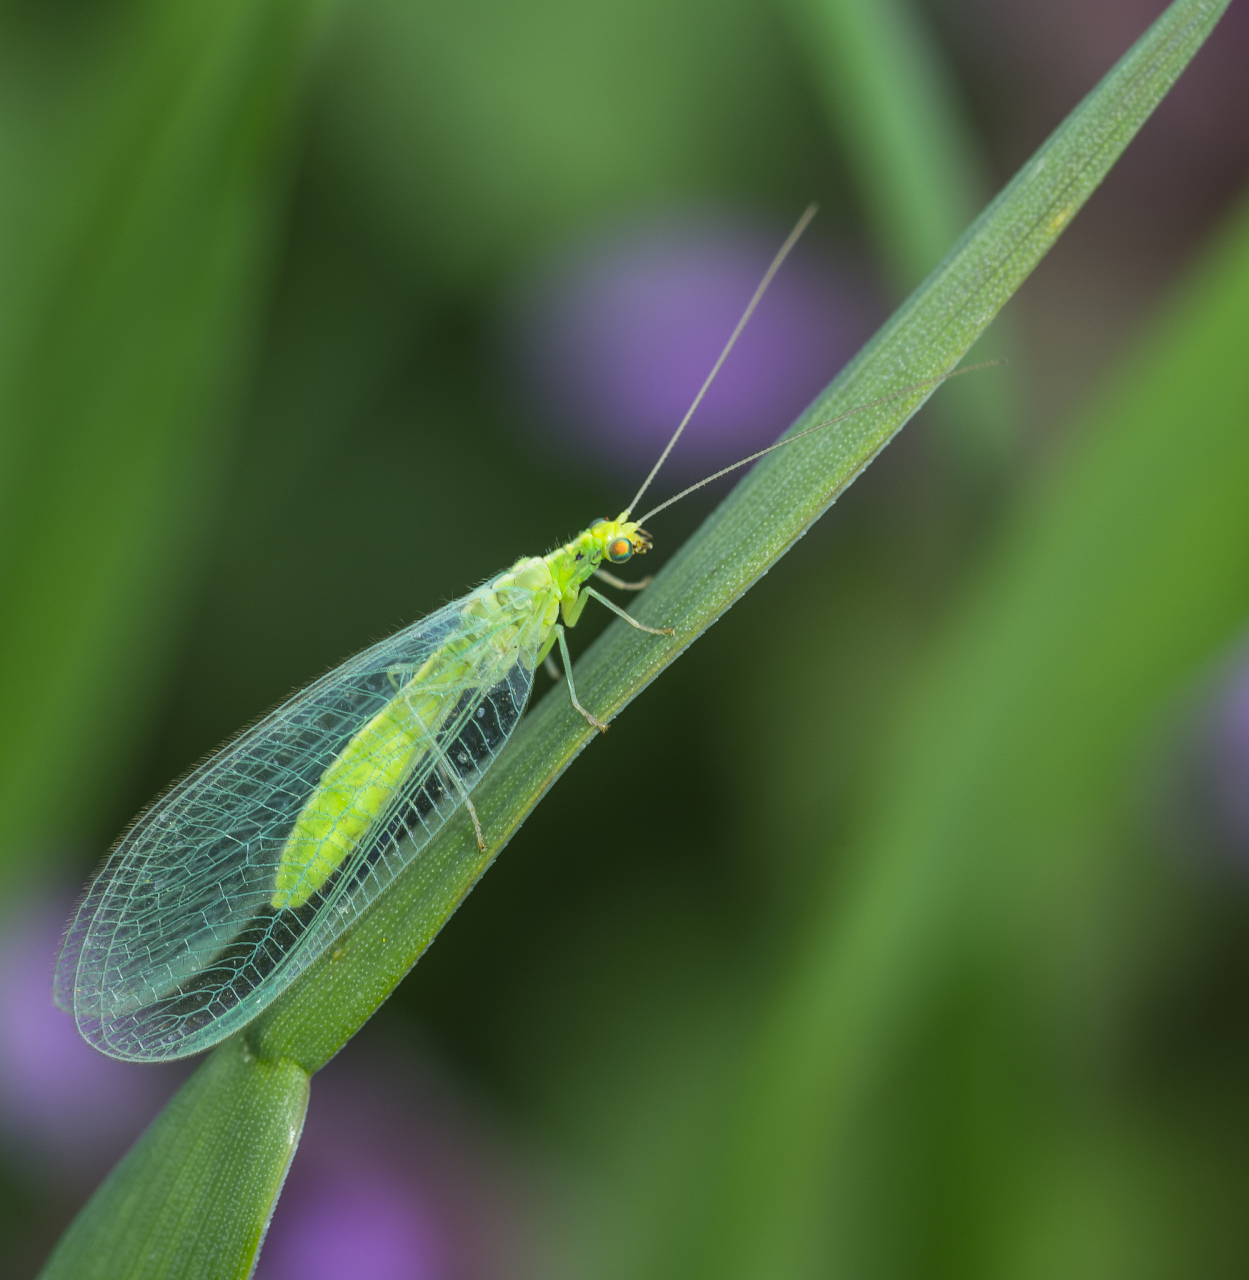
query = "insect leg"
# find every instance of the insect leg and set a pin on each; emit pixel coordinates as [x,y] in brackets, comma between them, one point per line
[456,783]
[551,669]
[572,689]
[633,622]
[620,584]
[472,813]
[399,674]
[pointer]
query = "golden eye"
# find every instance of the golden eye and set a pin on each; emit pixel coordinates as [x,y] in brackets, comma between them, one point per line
[619,549]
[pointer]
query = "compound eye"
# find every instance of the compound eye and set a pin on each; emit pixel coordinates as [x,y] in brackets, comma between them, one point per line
[619,550]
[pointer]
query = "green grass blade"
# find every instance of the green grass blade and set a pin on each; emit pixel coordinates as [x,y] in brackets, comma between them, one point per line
[760,520]
[146,167]
[894,112]
[751,529]
[194,1195]
[1009,784]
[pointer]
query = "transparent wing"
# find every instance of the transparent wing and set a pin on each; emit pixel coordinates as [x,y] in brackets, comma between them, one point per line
[177,944]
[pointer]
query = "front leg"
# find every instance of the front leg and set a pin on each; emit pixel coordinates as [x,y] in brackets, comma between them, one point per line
[620,584]
[572,606]
[572,688]
[399,674]
[620,613]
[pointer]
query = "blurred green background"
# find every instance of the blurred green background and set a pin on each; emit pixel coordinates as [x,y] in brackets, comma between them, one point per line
[313,316]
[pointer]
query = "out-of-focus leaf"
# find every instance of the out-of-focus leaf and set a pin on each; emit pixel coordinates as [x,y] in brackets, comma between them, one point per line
[145,155]
[895,114]
[1128,572]
[480,133]
[193,1197]
[893,109]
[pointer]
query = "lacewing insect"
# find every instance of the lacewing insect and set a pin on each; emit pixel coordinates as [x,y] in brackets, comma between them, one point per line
[231,884]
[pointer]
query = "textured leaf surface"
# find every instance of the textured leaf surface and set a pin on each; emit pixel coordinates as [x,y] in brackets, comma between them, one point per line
[194,1195]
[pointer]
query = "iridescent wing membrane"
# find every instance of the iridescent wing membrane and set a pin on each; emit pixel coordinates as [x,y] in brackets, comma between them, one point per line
[177,943]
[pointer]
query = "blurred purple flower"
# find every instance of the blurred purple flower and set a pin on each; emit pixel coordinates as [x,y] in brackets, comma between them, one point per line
[615,338]
[60,1100]
[360,1221]
[1230,762]
[394,1180]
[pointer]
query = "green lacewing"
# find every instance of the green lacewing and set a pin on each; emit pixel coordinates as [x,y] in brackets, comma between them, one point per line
[232,883]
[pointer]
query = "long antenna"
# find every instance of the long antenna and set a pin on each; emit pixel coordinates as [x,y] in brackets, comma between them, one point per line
[781,255]
[819,426]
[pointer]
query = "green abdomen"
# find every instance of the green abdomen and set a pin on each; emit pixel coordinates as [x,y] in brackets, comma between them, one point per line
[356,788]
